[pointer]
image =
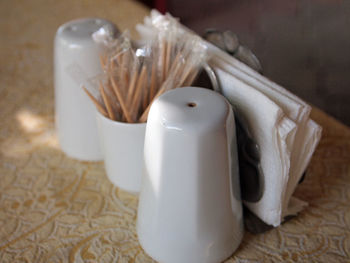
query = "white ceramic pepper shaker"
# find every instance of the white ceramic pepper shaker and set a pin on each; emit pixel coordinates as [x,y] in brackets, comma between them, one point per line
[76,59]
[189,207]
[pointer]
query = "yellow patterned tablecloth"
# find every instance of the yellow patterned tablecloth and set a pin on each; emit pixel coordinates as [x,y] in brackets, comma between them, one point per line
[55,209]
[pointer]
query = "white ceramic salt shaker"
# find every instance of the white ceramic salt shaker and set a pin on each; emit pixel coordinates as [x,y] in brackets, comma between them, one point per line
[189,207]
[76,60]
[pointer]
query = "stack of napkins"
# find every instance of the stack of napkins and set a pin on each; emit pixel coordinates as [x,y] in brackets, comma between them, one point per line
[280,124]
[278,120]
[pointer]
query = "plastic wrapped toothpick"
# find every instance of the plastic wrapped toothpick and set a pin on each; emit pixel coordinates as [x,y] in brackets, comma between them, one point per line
[134,77]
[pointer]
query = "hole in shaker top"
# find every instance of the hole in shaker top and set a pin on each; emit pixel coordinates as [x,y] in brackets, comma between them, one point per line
[191,104]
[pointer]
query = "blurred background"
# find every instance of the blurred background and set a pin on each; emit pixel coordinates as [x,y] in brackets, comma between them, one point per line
[304,45]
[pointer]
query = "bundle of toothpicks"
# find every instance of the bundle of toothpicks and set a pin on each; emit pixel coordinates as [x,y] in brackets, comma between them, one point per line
[134,77]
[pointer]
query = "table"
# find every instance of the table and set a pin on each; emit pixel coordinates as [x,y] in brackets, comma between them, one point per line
[56,209]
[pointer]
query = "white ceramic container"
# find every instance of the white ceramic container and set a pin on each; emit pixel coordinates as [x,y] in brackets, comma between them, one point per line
[189,207]
[122,146]
[76,59]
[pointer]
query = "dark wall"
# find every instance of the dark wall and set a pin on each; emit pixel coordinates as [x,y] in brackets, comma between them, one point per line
[303,45]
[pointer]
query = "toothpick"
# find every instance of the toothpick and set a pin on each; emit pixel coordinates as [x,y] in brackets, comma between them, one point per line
[110,67]
[103,61]
[145,94]
[167,58]
[175,65]
[186,72]
[125,75]
[153,80]
[144,115]
[114,103]
[99,107]
[178,73]
[121,100]
[192,76]
[145,100]
[132,85]
[119,58]
[138,92]
[162,57]
[107,103]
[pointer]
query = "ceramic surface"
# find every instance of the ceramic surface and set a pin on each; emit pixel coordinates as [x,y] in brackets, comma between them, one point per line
[189,207]
[76,60]
[122,146]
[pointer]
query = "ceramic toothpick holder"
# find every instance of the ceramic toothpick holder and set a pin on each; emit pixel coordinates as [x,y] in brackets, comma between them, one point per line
[122,147]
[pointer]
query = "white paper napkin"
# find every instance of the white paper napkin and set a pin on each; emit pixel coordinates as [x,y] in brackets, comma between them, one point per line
[300,147]
[273,132]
